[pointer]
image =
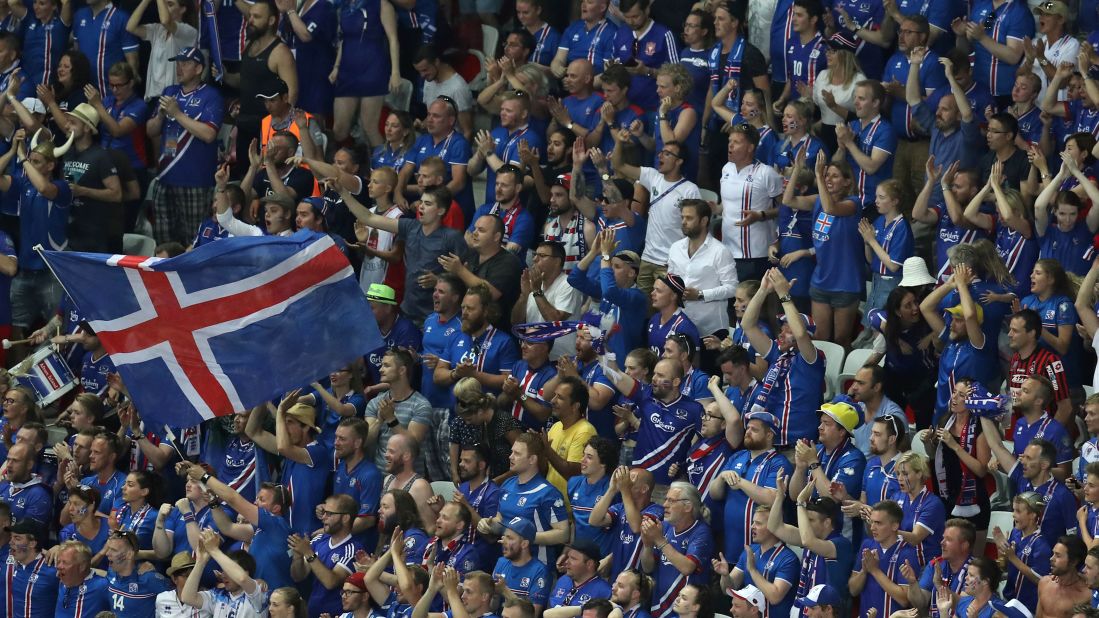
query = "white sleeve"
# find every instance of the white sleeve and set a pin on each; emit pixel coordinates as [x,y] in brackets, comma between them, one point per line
[235,226]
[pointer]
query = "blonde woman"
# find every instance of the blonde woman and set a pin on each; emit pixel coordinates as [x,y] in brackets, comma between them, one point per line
[924,513]
[834,89]
[480,421]
[1016,241]
[677,120]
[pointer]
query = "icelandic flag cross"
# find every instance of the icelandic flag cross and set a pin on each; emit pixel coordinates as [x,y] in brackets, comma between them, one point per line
[225,327]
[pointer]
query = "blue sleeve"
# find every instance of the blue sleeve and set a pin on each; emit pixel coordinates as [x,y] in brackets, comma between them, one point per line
[931,515]
[145,533]
[852,481]
[537,592]
[610,290]
[39,509]
[490,504]
[459,154]
[578,278]
[1022,23]
[129,41]
[789,570]
[940,14]
[27,88]
[901,247]
[523,234]
[923,114]
[605,50]
[886,139]
[481,211]
[1040,555]
[927,577]
[137,110]
[1066,313]
[932,75]
[742,563]
[1066,452]
[213,109]
[701,549]
[622,46]
[509,354]
[370,495]
[319,454]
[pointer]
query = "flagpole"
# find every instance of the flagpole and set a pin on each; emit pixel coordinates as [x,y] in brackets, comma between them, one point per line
[42,254]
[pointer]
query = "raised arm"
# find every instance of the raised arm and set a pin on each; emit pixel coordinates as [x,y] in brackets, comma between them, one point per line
[990,432]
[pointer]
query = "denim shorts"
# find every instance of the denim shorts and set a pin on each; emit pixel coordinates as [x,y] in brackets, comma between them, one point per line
[836,300]
[34,297]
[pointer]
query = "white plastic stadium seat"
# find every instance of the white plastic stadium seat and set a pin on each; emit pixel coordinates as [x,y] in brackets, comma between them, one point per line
[856,359]
[490,37]
[445,489]
[401,98]
[138,244]
[479,83]
[833,361]
[1004,519]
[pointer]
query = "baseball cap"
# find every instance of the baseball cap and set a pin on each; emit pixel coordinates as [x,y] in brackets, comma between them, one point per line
[193,54]
[753,596]
[1052,7]
[876,318]
[956,311]
[180,562]
[821,594]
[304,414]
[521,526]
[273,90]
[630,257]
[28,527]
[589,549]
[316,203]
[810,325]
[280,199]
[624,187]
[843,411]
[563,180]
[841,41]
[357,580]
[381,293]
[764,417]
[33,105]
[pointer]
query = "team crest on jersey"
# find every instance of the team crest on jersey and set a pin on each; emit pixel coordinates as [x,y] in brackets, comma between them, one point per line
[541,582]
[681,414]
[33,577]
[650,48]
[560,502]
[522,501]
[133,587]
[524,582]
[449,331]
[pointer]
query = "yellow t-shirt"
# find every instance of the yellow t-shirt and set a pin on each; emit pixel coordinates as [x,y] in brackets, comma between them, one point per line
[569,444]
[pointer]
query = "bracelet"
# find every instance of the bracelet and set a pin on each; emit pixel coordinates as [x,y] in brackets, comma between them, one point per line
[802,505]
[206,477]
[661,548]
[538,294]
[189,517]
[784,300]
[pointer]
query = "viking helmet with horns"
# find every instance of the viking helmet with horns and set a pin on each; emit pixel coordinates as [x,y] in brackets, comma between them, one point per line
[46,147]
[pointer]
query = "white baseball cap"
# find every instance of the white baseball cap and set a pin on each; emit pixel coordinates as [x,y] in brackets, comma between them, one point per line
[754,596]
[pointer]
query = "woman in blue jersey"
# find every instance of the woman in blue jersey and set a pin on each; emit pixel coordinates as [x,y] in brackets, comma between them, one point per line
[1068,239]
[1014,231]
[136,514]
[398,139]
[366,67]
[86,526]
[837,280]
[677,120]
[172,536]
[1051,297]
[698,40]
[910,358]
[752,111]
[793,251]
[924,513]
[889,242]
[122,116]
[797,118]
[1088,515]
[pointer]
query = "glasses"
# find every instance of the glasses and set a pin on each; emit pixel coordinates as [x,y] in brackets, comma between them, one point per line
[114,86]
[716,417]
[449,101]
[542,256]
[8,400]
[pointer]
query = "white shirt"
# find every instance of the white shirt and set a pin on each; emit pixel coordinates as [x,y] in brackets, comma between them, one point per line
[1064,49]
[664,225]
[455,88]
[374,269]
[844,95]
[565,298]
[168,605]
[221,604]
[753,187]
[712,271]
[759,25]
[162,46]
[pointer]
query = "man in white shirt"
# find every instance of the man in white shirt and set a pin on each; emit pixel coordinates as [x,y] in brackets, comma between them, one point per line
[667,188]
[170,603]
[239,595]
[546,296]
[706,266]
[748,192]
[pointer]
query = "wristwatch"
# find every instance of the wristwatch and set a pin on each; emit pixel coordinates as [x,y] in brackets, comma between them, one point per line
[701,296]
[393,423]
[814,466]
[784,299]
[311,558]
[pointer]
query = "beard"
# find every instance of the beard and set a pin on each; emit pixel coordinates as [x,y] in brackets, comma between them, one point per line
[752,443]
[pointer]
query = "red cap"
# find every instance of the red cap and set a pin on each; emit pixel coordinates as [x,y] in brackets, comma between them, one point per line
[357,580]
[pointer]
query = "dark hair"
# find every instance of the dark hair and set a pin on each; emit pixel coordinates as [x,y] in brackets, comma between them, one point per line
[644,585]
[896,425]
[966,527]
[701,207]
[480,449]
[555,247]
[616,74]
[601,607]
[626,5]
[736,355]
[443,196]
[81,74]
[147,480]
[11,41]
[893,327]
[646,357]
[245,560]
[1052,267]
[427,53]
[111,439]
[1074,547]
[1086,142]
[1008,122]
[40,433]
[578,391]
[607,450]
[86,493]
[1032,322]
[707,24]
[812,7]
[526,608]
[875,87]
[990,571]
[748,131]
[455,282]
[526,39]
[407,513]
[704,599]
[514,170]
[402,357]
[280,498]
[1047,389]
[357,425]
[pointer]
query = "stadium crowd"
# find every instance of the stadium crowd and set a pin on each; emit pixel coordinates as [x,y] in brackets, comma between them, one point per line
[748,309]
